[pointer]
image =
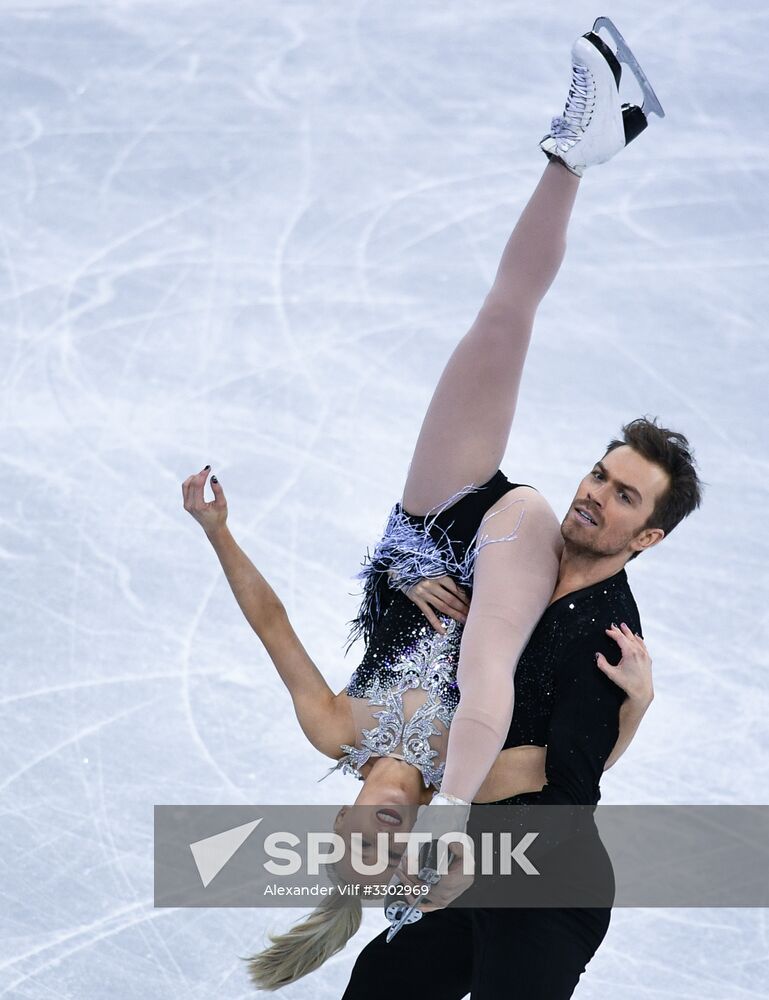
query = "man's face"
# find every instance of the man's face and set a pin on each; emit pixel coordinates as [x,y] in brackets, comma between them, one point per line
[613,503]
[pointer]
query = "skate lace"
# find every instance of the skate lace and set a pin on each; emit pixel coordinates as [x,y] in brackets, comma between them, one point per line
[567,128]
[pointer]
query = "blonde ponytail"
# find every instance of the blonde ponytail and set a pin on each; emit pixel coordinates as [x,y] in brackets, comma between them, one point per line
[307,945]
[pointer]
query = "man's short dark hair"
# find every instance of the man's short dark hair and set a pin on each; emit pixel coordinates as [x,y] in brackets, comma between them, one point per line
[672,452]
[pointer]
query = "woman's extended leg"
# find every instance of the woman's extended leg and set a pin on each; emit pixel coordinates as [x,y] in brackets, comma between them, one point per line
[465,430]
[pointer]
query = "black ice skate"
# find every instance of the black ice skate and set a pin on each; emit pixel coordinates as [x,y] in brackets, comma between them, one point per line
[595,124]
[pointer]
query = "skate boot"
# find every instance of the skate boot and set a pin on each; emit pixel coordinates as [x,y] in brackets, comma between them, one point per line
[595,124]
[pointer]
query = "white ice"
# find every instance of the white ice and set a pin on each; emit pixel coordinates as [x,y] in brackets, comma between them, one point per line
[250,235]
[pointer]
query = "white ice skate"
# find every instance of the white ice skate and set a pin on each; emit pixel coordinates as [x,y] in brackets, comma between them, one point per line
[595,124]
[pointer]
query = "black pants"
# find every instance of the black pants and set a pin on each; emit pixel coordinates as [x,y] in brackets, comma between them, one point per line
[493,954]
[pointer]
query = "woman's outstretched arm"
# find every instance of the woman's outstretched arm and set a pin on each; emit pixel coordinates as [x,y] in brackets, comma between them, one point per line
[322,717]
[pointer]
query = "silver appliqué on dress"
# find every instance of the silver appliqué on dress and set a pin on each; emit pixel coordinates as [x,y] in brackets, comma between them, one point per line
[430,666]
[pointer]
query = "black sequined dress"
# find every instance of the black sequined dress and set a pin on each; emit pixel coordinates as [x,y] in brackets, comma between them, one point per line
[404,692]
[563,700]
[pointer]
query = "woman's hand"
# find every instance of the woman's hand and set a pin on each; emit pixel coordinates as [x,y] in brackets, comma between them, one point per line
[451,885]
[437,820]
[211,515]
[442,594]
[633,673]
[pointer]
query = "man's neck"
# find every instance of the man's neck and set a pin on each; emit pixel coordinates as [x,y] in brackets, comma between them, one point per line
[578,570]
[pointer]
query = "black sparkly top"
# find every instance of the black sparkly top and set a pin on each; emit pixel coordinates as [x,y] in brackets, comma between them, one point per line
[563,700]
[399,621]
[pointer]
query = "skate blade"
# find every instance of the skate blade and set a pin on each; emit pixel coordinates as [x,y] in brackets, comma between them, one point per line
[651,104]
[400,914]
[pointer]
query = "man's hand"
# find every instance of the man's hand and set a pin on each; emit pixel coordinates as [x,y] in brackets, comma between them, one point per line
[440,593]
[212,514]
[633,673]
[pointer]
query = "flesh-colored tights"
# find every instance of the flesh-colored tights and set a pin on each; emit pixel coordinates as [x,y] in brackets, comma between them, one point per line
[462,440]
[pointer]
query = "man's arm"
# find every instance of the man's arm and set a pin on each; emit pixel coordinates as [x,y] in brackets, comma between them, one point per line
[630,714]
[634,675]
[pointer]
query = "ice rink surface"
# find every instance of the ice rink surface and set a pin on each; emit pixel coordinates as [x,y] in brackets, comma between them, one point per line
[250,235]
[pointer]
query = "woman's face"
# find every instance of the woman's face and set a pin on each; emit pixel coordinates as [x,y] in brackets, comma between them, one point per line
[369,835]
[388,803]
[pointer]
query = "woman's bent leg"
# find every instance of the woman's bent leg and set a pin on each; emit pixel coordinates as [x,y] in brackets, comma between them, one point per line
[468,421]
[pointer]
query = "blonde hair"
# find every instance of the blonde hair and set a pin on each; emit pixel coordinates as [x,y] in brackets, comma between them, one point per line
[307,945]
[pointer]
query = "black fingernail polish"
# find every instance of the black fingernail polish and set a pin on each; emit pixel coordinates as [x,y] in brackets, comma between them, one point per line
[208,467]
[214,479]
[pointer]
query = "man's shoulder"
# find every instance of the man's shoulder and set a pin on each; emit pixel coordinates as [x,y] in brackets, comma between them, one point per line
[608,602]
[623,596]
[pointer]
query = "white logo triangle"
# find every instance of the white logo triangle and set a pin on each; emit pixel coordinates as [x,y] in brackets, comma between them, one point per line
[213,853]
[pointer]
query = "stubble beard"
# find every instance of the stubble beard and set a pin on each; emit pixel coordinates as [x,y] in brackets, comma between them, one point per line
[586,548]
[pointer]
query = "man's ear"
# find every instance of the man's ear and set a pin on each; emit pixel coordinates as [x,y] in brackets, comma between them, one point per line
[646,539]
